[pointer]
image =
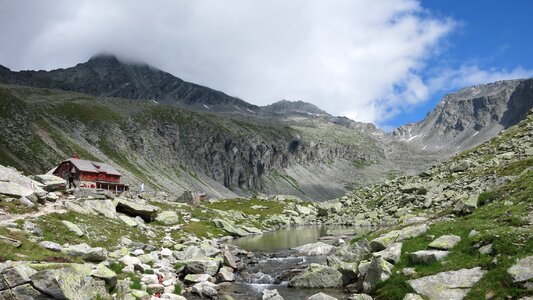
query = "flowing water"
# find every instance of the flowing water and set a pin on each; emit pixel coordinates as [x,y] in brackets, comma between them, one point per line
[275,261]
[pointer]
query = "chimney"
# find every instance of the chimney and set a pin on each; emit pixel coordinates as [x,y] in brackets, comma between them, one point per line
[75,156]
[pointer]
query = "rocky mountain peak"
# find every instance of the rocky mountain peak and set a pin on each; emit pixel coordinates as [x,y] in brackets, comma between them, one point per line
[294,107]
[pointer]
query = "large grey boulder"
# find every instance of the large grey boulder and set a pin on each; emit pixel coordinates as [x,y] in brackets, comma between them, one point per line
[359,297]
[226,274]
[106,208]
[460,166]
[318,248]
[230,228]
[51,183]
[379,270]
[391,254]
[86,252]
[353,252]
[168,217]
[73,228]
[205,288]
[72,282]
[51,246]
[16,275]
[196,278]
[393,236]
[451,285]
[25,291]
[445,242]
[465,205]
[427,256]
[202,266]
[317,276]
[321,296]
[522,270]
[104,273]
[137,209]
[271,295]
[412,296]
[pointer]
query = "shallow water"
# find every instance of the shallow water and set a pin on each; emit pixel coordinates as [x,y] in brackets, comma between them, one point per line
[288,238]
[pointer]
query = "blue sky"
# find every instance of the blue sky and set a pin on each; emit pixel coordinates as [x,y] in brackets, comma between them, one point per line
[387,62]
[492,35]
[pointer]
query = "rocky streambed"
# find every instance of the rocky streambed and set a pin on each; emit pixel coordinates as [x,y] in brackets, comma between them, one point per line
[272,259]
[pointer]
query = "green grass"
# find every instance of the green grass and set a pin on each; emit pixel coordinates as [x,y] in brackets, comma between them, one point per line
[245,206]
[360,164]
[15,207]
[99,231]
[28,251]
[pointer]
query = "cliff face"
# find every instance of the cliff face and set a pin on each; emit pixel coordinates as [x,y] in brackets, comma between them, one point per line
[470,116]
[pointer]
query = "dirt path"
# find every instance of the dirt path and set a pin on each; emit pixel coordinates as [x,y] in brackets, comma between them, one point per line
[47,208]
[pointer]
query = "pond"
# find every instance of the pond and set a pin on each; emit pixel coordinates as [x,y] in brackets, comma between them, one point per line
[291,237]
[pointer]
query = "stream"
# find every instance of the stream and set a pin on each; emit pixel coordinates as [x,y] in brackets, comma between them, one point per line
[274,261]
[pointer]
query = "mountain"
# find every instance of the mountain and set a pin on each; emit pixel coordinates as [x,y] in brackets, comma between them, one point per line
[175,149]
[285,107]
[470,116]
[107,76]
[173,135]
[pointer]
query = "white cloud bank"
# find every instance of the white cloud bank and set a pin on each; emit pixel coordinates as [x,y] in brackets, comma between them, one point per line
[359,58]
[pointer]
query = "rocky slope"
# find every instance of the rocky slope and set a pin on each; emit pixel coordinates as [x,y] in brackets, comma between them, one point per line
[470,116]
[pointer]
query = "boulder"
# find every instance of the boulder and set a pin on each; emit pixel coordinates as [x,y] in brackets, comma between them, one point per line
[104,273]
[427,256]
[522,270]
[445,242]
[206,288]
[318,248]
[303,210]
[229,259]
[202,266]
[51,183]
[106,208]
[487,249]
[379,270]
[73,228]
[51,246]
[25,291]
[460,166]
[195,278]
[137,209]
[155,288]
[226,274]
[391,254]
[413,188]
[317,276]
[128,221]
[230,228]
[168,217]
[353,252]
[14,190]
[321,296]
[452,285]
[86,252]
[271,295]
[71,282]
[393,236]
[465,205]
[16,275]
[10,241]
[360,297]
[347,269]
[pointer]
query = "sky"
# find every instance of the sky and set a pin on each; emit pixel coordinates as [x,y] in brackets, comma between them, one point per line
[387,62]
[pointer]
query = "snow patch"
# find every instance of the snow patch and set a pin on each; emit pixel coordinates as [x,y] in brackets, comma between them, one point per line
[475,134]
[237,107]
[206,106]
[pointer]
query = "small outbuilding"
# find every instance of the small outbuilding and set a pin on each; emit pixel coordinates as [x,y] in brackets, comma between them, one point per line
[91,174]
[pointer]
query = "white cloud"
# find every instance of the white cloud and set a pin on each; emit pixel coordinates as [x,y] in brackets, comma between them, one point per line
[359,58]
